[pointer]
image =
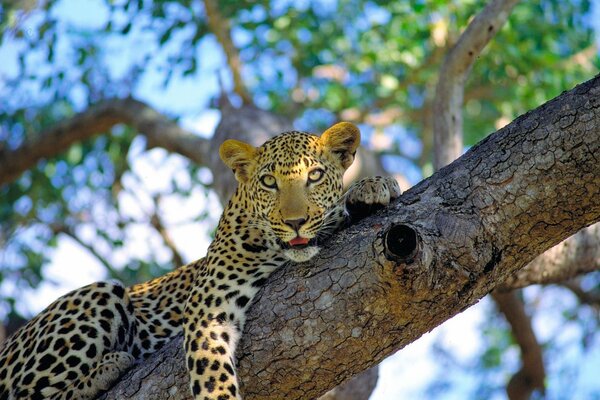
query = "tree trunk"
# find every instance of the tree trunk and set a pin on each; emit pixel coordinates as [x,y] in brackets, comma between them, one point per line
[441,247]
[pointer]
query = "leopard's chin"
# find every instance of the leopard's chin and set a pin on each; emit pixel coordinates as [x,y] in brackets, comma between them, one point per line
[301,254]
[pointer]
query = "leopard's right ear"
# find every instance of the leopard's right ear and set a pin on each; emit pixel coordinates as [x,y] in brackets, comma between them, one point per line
[342,140]
[238,156]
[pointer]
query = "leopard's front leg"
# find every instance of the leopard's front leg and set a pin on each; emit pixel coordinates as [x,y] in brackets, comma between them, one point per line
[211,335]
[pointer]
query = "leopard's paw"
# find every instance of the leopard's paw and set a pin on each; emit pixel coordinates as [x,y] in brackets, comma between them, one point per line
[371,194]
[110,369]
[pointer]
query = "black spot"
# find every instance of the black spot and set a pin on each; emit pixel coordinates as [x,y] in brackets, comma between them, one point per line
[42,382]
[28,379]
[242,301]
[210,384]
[118,290]
[225,337]
[228,368]
[253,248]
[196,388]
[222,317]
[73,361]
[259,282]
[232,390]
[46,362]
[91,351]
[201,365]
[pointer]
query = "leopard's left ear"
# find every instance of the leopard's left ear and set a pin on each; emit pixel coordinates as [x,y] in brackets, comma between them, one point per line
[238,156]
[342,139]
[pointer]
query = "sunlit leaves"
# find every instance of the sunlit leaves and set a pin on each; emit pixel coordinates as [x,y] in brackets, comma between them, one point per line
[370,61]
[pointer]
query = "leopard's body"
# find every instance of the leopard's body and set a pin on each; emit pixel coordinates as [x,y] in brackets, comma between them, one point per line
[289,199]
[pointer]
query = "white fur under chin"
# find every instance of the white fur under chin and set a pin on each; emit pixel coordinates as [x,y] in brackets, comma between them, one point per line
[301,255]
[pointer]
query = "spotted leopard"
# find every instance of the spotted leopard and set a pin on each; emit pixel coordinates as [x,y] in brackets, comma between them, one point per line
[288,201]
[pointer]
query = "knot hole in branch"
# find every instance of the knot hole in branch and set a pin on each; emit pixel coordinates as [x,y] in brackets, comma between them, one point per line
[401,243]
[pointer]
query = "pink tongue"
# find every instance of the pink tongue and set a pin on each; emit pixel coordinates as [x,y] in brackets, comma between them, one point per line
[298,241]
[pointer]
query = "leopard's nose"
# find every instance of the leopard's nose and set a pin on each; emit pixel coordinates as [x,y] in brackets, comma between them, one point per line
[295,224]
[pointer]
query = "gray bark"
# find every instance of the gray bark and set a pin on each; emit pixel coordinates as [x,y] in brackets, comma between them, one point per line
[448,139]
[517,193]
[449,93]
[575,256]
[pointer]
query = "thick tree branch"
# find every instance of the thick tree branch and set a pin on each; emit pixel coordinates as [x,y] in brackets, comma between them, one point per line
[575,256]
[159,132]
[532,374]
[447,115]
[448,143]
[473,224]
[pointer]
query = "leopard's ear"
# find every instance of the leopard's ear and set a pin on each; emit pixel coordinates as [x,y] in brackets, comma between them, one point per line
[342,140]
[238,156]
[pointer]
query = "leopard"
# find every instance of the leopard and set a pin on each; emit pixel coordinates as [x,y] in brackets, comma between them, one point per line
[289,200]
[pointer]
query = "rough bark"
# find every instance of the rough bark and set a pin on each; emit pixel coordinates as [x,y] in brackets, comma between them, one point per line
[447,106]
[575,256]
[448,140]
[517,193]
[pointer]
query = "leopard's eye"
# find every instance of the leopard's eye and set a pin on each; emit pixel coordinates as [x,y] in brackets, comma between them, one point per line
[315,175]
[268,181]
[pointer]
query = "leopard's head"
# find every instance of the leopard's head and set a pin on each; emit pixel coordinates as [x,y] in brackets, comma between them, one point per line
[291,181]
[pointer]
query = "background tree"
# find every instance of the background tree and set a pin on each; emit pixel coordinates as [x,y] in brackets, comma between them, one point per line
[67,80]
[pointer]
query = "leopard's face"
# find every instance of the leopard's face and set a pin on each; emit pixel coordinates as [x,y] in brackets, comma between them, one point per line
[290,183]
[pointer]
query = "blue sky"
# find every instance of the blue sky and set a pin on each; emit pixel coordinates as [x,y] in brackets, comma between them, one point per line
[403,375]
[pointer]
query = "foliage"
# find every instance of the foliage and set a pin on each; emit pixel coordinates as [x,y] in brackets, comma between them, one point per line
[371,61]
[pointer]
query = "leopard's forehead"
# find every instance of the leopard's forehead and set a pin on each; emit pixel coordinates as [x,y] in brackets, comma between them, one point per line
[289,153]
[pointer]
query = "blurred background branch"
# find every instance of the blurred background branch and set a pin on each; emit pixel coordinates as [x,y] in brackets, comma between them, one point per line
[109,107]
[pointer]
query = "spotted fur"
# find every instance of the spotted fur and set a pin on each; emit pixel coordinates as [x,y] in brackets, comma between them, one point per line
[288,200]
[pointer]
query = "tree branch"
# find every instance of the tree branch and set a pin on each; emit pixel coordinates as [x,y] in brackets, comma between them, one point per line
[157,223]
[159,132]
[440,248]
[359,387]
[447,115]
[68,231]
[575,256]
[532,373]
[591,298]
[221,28]
[448,143]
